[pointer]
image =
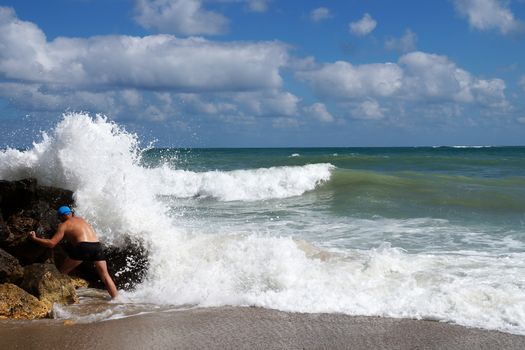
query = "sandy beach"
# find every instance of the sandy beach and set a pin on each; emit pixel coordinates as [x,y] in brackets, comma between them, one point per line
[250,328]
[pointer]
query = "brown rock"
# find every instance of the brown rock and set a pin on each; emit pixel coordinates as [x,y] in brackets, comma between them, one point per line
[78,282]
[48,285]
[17,303]
[10,269]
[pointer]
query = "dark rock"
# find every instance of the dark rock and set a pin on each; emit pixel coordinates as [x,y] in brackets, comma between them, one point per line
[25,206]
[17,303]
[48,285]
[16,195]
[10,269]
[19,245]
[128,264]
[5,233]
[26,195]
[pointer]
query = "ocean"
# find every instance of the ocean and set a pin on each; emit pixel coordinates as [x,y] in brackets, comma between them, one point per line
[418,232]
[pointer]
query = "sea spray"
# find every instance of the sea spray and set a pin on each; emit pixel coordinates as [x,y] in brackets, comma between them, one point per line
[251,265]
[242,185]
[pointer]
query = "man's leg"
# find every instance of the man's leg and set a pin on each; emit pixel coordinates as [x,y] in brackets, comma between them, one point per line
[68,265]
[102,269]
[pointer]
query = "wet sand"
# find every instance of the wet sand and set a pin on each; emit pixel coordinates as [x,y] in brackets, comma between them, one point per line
[250,328]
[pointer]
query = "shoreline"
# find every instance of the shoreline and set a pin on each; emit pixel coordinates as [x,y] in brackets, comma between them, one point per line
[250,328]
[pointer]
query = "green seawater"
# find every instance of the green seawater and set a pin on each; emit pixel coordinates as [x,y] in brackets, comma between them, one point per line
[453,198]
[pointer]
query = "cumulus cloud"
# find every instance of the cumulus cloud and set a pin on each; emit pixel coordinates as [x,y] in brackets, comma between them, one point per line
[186,17]
[320,14]
[258,5]
[404,44]
[364,26]
[488,14]
[35,97]
[159,62]
[284,123]
[268,103]
[257,104]
[521,82]
[155,77]
[369,109]
[318,111]
[417,76]
[342,80]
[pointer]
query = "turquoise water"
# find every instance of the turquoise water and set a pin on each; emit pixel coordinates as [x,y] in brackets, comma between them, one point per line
[418,199]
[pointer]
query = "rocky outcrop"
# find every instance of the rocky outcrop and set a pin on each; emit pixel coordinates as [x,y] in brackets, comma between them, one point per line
[17,303]
[48,285]
[10,269]
[25,206]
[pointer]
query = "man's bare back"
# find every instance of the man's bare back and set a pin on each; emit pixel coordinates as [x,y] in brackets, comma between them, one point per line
[77,230]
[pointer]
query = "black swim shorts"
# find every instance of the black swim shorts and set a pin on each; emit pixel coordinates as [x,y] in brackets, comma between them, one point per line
[87,251]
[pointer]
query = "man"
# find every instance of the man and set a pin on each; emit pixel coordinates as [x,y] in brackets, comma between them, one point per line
[86,246]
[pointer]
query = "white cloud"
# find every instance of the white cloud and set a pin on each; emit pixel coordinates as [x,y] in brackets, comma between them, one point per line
[435,78]
[159,62]
[404,44]
[521,120]
[35,97]
[521,82]
[342,80]
[488,14]
[319,112]
[196,103]
[417,76]
[268,103]
[285,123]
[320,14]
[154,77]
[186,17]
[132,97]
[364,26]
[258,5]
[369,109]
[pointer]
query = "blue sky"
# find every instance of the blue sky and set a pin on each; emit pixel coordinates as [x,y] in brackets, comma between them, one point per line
[268,73]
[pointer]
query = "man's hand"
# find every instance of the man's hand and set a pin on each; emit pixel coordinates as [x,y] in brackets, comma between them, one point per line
[32,234]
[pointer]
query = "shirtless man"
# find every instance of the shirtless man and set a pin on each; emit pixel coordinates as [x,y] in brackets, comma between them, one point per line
[86,246]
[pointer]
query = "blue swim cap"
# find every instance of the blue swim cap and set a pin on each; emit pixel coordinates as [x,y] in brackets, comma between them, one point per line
[64,210]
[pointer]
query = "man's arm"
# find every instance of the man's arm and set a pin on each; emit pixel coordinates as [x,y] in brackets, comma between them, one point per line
[49,243]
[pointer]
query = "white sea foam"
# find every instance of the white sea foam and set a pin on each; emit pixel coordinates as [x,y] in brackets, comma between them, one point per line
[247,185]
[100,162]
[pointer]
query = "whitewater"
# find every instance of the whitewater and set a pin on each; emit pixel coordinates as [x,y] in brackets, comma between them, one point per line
[303,233]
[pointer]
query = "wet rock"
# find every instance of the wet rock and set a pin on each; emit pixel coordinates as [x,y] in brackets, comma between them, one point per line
[48,285]
[10,269]
[17,303]
[19,245]
[27,197]
[5,233]
[128,264]
[26,206]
